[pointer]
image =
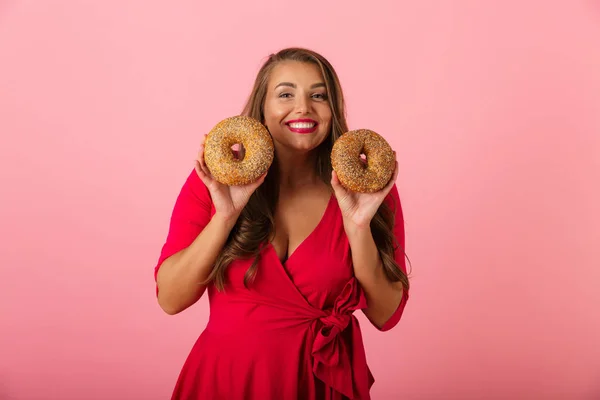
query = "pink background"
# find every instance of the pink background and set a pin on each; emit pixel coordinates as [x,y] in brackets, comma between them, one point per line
[493,108]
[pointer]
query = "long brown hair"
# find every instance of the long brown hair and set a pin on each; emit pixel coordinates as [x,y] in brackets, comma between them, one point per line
[256,224]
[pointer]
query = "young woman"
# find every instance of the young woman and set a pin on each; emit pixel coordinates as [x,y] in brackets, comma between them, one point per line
[285,260]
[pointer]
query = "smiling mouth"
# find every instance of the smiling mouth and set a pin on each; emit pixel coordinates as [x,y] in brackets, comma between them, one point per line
[304,129]
[302,125]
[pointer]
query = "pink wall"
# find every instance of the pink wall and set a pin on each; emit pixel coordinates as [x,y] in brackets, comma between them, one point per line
[493,107]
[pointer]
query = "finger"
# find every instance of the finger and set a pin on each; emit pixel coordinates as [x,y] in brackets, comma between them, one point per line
[334,177]
[202,146]
[392,181]
[205,176]
[205,168]
[201,174]
[202,161]
[200,156]
[254,184]
[259,181]
[337,186]
[201,168]
[335,181]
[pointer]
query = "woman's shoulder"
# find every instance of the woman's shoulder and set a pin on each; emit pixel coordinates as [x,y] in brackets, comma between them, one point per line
[194,186]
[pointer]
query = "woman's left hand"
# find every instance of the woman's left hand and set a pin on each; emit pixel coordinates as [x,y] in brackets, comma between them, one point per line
[359,208]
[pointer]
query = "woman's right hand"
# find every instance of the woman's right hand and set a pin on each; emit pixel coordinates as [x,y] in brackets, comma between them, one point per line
[229,201]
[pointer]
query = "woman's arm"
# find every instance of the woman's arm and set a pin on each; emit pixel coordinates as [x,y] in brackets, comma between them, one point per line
[179,275]
[383,297]
[195,238]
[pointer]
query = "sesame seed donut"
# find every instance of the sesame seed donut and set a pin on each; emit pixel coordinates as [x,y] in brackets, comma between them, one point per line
[220,159]
[352,172]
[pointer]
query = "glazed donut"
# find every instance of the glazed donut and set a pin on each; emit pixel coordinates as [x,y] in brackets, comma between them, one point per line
[219,157]
[352,172]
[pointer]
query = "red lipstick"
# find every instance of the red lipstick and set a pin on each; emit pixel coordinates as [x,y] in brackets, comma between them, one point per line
[302,126]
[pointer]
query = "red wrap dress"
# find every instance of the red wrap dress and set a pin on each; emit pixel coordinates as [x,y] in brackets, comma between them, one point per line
[292,334]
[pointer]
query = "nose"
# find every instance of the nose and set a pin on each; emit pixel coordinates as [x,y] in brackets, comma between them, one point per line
[302,105]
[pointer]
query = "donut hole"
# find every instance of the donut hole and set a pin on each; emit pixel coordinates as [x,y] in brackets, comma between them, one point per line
[363,158]
[238,151]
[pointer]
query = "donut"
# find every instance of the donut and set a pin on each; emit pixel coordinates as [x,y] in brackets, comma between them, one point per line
[219,156]
[352,172]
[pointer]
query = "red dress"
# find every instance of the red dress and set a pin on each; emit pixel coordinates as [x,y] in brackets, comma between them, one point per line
[292,334]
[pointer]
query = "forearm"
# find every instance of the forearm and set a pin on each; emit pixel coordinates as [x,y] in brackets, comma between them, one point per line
[179,275]
[383,297]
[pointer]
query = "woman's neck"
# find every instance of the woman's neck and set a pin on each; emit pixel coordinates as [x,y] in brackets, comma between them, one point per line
[297,169]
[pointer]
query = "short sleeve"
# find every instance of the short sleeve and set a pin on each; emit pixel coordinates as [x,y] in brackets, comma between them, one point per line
[192,211]
[393,201]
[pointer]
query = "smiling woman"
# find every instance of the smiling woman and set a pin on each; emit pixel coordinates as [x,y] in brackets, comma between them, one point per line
[287,258]
[296,102]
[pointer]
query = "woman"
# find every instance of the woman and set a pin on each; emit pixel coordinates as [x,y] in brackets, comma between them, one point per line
[287,259]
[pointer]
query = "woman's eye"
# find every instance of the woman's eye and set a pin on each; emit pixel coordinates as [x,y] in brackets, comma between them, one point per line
[285,95]
[320,96]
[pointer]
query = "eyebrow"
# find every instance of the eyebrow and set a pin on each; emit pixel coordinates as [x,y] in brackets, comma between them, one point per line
[292,85]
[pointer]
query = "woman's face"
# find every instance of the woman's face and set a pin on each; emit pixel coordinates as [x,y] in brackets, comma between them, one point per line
[296,108]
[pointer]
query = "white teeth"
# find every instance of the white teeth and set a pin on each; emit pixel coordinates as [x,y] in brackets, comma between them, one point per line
[302,125]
